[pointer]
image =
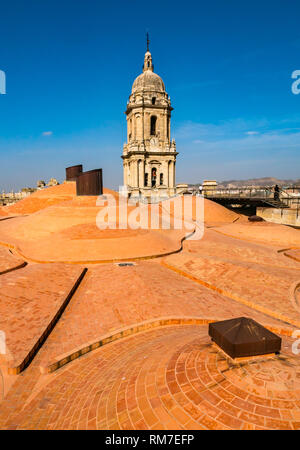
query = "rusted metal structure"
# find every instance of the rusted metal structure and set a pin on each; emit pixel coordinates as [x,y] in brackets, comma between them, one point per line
[89,183]
[72,172]
[242,337]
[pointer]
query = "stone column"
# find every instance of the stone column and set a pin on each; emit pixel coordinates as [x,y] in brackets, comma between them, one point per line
[149,175]
[129,128]
[125,174]
[171,174]
[147,126]
[143,122]
[174,173]
[141,173]
[139,131]
[135,173]
[165,169]
[134,126]
[128,183]
[160,121]
[165,126]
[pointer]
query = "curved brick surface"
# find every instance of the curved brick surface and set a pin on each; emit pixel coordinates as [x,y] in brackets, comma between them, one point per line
[171,378]
[8,261]
[63,228]
[67,232]
[112,298]
[264,232]
[259,275]
[42,199]
[293,254]
[30,299]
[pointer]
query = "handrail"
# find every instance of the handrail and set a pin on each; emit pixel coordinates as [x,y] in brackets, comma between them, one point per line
[264,193]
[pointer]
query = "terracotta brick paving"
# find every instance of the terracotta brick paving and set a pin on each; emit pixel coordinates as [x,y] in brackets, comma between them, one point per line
[168,378]
[30,298]
[66,232]
[171,377]
[293,254]
[252,272]
[112,297]
[216,245]
[265,232]
[8,261]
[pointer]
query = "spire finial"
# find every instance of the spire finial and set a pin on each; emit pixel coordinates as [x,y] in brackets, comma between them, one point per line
[148,58]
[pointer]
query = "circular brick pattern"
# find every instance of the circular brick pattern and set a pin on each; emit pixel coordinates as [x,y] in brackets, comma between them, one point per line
[168,378]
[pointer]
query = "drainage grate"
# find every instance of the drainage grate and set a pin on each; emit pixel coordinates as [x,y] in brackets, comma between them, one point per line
[125,264]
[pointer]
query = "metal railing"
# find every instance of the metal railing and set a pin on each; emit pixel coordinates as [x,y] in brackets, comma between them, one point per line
[266,193]
[253,193]
[289,197]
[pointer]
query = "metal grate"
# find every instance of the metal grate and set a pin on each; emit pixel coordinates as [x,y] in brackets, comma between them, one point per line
[125,264]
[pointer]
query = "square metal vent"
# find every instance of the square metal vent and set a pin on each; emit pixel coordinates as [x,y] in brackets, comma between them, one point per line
[124,264]
[242,337]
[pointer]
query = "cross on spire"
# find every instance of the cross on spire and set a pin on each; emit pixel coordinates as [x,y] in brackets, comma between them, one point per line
[147,42]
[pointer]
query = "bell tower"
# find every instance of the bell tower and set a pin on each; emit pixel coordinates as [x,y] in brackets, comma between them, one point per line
[149,156]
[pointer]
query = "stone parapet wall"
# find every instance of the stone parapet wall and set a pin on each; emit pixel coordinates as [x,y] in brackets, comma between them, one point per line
[288,216]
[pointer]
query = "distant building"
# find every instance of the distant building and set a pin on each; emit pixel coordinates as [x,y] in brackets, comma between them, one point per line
[41,184]
[209,186]
[9,198]
[182,188]
[52,182]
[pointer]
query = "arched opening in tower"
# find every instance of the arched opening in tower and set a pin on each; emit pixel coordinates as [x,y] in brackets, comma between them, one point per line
[153,126]
[153,177]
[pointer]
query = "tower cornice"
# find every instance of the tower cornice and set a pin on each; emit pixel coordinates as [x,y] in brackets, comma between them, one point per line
[144,106]
[147,154]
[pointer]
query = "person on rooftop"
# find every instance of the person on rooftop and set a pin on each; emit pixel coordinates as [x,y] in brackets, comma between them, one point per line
[276,192]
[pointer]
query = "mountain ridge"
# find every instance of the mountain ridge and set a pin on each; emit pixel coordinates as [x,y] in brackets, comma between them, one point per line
[264,181]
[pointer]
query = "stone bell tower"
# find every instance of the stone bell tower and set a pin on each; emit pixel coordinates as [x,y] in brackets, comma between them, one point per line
[149,156]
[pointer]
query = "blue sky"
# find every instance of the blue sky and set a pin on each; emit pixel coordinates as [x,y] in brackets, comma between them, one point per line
[227,66]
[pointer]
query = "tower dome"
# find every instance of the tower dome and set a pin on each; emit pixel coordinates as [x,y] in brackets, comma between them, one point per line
[148,81]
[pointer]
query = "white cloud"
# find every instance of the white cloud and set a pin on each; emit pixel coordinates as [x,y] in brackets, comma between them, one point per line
[228,151]
[47,133]
[198,141]
[235,128]
[236,135]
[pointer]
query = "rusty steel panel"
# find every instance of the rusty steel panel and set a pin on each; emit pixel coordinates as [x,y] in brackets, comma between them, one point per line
[89,183]
[242,337]
[72,172]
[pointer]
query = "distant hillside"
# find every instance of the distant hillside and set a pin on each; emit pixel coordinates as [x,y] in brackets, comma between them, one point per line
[266,181]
